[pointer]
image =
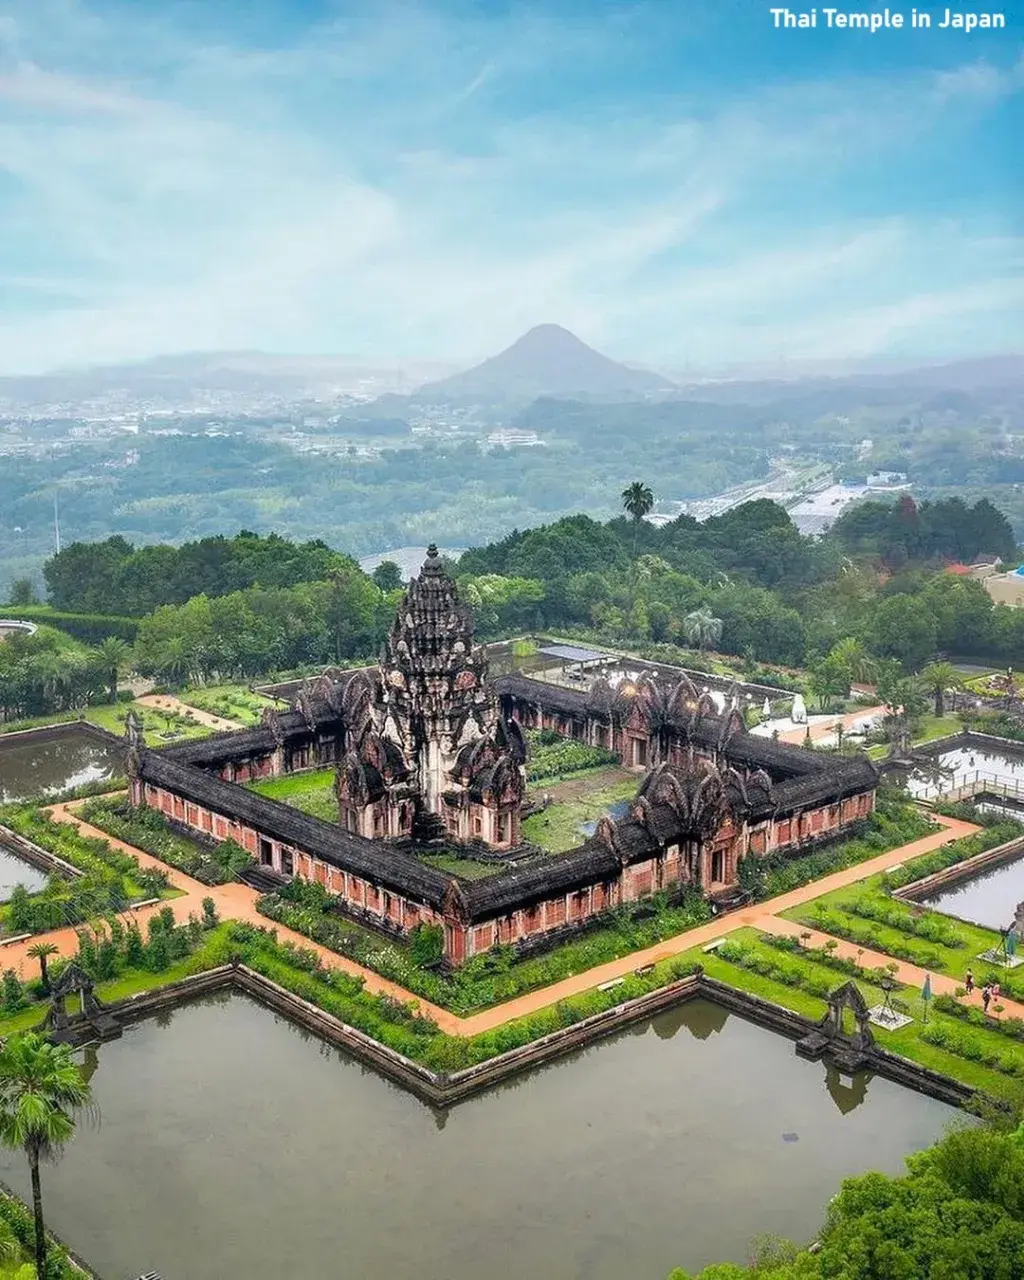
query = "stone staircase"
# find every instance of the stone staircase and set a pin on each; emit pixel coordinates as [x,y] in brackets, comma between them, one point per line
[262,879]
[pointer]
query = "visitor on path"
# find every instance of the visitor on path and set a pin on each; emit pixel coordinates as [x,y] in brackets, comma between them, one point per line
[969,981]
[995,990]
[986,996]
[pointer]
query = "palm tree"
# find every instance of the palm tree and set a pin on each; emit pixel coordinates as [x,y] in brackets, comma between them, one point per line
[702,628]
[850,654]
[40,1090]
[42,951]
[938,677]
[112,655]
[174,660]
[637,500]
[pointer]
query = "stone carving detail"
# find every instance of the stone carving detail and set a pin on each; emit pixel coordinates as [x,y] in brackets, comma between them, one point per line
[427,751]
[136,743]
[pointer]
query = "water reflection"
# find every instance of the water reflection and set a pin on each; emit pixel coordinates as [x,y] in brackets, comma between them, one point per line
[962,765]
[14,871]
[847,1091]
[34,766]
[988,898]
[235,1144]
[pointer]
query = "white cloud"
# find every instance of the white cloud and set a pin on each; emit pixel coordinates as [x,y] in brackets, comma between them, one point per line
[358,190]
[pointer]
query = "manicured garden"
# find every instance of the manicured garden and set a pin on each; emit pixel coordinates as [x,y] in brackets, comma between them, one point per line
[230,701]
[211,862]
[894,822]
[980,1053]
[159,727]
[313,792]
[867,915]
[122,959]
[111,880]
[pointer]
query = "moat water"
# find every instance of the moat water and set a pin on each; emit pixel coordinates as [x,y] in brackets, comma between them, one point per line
[232,1144]
[989,898]
[33,766]
[962,765]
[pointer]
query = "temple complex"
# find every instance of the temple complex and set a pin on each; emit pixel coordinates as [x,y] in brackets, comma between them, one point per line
[430,758]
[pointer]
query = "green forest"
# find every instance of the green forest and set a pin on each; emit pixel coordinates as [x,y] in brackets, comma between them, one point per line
[869,598]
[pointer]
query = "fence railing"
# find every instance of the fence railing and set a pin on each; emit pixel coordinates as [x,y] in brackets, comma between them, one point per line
[970,785]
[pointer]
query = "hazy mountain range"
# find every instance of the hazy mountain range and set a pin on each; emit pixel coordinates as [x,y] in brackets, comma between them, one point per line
[547,361]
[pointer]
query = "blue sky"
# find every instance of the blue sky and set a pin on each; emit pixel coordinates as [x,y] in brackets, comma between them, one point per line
[676,181]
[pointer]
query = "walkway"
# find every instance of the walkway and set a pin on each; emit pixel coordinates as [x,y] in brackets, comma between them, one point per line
[236,901]
[942,984]
[826,728]
[168,702]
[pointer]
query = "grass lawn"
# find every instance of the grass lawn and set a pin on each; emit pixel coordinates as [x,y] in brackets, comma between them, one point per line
[557,828]
[159,729]
[313,793]
[468,868]
[232,701]
[878,935]
[932,727]
[908,1042]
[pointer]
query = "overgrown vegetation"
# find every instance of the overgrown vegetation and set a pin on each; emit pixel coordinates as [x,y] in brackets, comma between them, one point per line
[313,793]
[499,974]
[894,822]
[957,1214]
[212,862]
[552,756]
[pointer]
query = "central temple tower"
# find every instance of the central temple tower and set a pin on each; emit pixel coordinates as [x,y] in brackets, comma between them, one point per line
[429,753]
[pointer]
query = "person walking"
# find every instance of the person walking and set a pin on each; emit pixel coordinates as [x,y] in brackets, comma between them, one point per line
[986,996]
[969,981]
[995,990]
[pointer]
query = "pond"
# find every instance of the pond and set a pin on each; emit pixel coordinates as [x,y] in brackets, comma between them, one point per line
[30,765]
[232,1144]
[988,898]
[13,871]
[616,811]
[969,764]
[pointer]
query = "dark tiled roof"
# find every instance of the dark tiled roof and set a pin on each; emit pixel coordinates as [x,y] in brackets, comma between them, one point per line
[374,859]
[801,777]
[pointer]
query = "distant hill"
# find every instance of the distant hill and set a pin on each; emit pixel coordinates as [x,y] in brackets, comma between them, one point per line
[546,361]
[225,380]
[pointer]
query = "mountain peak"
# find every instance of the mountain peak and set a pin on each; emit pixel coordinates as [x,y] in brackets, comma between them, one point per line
[546,360]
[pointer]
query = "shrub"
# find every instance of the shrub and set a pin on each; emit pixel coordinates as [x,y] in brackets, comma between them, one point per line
[209,861]
[552,756]
[13,993]
[426,944]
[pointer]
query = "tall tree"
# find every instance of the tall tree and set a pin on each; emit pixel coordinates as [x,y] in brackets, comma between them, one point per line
[637,501]
[112,654]
[42,951]
[22,592]
[41,1089]
[387,576]
[702,628]
[938,678]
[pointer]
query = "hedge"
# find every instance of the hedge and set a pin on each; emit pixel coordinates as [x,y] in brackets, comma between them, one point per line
[90,628]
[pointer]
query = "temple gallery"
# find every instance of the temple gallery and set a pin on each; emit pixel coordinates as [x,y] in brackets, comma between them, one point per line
[430,758]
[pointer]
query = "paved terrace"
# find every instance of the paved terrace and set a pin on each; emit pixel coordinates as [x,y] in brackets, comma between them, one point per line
[237,901]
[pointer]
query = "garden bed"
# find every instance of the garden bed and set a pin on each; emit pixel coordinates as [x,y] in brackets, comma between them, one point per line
[497,975]
[213,862]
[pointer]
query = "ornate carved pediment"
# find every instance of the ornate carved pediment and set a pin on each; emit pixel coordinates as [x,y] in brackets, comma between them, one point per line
[455,907]
[271,719]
